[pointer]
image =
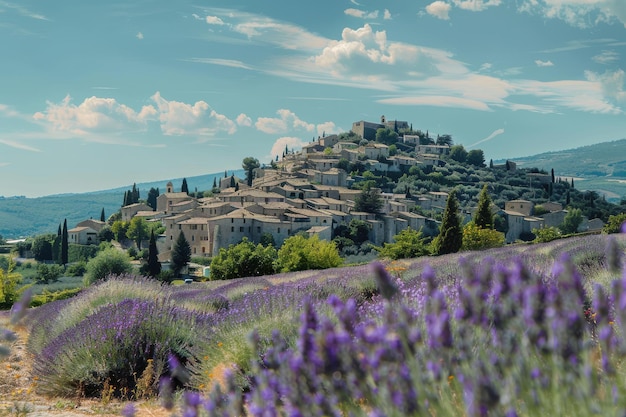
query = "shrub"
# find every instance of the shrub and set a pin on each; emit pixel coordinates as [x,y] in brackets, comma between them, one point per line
[76,269]
[546,234]
[477,238]
[615,223]
[243,260]
[408,243]
[108,262]
[299,253]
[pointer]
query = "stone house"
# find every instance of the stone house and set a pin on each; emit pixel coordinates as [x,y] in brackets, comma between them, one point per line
[96,225]
[128,212]
[83,236]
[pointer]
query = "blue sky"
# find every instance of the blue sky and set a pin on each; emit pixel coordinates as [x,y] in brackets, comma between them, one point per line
[95,95]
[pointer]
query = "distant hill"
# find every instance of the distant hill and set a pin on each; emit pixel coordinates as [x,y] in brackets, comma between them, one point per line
[22,217]
[600,167]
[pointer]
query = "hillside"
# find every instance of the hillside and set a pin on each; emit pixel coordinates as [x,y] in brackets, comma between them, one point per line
[600,167]
[21,217]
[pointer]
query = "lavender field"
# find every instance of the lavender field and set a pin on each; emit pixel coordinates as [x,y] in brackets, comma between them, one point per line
[518,331]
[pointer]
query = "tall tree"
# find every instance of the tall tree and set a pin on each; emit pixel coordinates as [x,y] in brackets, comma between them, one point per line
[134,194]
[181,254]
[64,244]
[214,182]
[102,217]
[151,200]
[450,238]
[154,266]
[250,164]
[484,217]
[137,230]
[184,188]
[458,153]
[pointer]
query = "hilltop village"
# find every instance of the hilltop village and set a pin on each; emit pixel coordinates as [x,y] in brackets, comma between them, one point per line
[315,190]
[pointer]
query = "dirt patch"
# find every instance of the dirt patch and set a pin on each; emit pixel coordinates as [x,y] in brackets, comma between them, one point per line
[18,396]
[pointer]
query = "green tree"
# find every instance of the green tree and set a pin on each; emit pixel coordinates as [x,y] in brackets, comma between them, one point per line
[151,200]
[450,238]
[299,253]
[614,223]
[102,217]
[8,283]
[478,238]
[48,273]
[393,150]
[184,188]
[484,217]
[42,247]
[359,231]
[249,165]
[64,244]
[458,153]
[244,259]
[386,136]
[444,140]
[181,254]
[267,239]
[108,262]
[476,157]
[409,243]
[154,266]
[119,229]
[572,220]
[137,230]
[106,234]
[369,201]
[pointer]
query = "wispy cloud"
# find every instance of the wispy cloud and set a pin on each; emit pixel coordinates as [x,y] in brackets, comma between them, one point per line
[286,121]
[362,14]
[493,135]
[578,13]
[23,10]
[541,63]
[18,145]
[476,5]
[139,35]
[606,57]
[437,101]
[223,62]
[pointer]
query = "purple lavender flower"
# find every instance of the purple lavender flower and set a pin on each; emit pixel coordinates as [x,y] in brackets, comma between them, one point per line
[129,410]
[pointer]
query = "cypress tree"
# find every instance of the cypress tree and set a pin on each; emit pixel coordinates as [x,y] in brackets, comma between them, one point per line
[134,195]
[184,188]
[483,217]
[64,244]
[450,238]
[102,218]
[181,254]
[552,175]
[214,182]
[59,231]
[154,266]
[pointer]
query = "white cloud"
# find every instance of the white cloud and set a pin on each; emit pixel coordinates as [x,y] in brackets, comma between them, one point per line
[579,13]
[94,114]
[387,14]
[139,35]
[439,9]
[476,5]
[612,84]
[274,32]
[292,143]
[196,16]
[23,11]
[244,120]
[541,63]
[485,67]
[361,13]
[178,118]
[97,117]
[287,121]
[327,128]
[606,57]
[214,20]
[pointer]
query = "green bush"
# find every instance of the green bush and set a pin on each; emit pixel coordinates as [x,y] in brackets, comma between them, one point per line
[409,243]
[48,296]
[477,238]
[108,262]
[546,234]
[243,260]
[300,253]
[77,253]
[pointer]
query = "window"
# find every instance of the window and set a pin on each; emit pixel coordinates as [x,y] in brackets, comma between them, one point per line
[232,220]
[241,229]
[232,229]
[193,238]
